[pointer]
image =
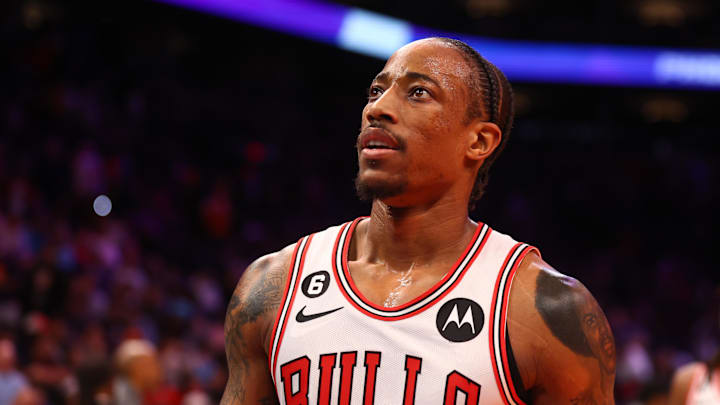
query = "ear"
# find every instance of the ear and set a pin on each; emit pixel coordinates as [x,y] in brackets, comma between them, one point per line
[483,138]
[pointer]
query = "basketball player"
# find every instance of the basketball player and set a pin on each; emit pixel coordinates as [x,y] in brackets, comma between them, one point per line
[697,384]
[418,304]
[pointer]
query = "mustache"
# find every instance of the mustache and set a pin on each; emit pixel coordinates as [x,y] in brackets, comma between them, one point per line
[400,141]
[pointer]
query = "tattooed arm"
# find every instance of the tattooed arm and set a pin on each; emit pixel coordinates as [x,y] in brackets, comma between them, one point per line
[248,325]
[562,341]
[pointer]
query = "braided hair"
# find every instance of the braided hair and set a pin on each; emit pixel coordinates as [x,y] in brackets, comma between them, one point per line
[491,97]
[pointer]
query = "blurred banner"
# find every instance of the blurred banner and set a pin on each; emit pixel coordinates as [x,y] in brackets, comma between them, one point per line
[379,36]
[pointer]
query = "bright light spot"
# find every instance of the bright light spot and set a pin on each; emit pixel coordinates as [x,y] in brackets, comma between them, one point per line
[686,68]
[102,205]
[373,34]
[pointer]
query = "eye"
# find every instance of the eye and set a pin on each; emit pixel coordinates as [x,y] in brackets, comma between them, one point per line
[419,92]
[374,92]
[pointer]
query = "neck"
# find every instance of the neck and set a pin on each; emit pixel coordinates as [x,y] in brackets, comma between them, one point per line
[406,237]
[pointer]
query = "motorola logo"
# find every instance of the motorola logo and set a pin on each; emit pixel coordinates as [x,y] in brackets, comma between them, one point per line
[460,320]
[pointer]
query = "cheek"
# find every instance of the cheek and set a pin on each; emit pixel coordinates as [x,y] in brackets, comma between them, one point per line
[441,126]
[447,140]
[433,156]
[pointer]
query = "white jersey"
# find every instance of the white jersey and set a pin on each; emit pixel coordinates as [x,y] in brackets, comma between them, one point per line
[704,388]
[331,345]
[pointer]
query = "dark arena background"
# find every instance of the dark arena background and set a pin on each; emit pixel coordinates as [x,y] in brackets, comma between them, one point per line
[217,140]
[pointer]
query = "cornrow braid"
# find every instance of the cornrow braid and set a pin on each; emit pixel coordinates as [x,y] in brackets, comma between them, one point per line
[505,104]
[492,91]
[491,99]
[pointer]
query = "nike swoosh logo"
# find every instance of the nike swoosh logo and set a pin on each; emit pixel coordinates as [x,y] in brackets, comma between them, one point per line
[309,317]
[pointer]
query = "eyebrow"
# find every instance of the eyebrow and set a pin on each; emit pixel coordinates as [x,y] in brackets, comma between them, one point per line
[384,76]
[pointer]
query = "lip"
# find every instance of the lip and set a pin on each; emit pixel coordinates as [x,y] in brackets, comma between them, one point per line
[375,134]
[377,153]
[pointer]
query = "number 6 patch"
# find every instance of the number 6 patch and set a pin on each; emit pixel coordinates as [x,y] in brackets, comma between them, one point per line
[316,284]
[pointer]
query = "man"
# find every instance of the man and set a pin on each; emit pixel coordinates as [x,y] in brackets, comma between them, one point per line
[29,396]
[12,381]
[418,304]
[138,372]
[697,383]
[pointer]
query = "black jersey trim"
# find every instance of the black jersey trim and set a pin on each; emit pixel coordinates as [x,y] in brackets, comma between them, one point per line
[515,376]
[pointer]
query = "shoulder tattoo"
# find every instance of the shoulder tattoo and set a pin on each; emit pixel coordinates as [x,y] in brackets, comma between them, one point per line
[259,292]
[574,317]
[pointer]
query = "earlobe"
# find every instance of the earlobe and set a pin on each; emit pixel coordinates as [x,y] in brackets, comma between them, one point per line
[485,137]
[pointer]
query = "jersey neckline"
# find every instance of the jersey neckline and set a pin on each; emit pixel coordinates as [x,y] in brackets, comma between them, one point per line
[419,304]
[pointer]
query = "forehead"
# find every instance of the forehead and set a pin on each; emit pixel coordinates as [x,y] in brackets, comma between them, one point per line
[434,58]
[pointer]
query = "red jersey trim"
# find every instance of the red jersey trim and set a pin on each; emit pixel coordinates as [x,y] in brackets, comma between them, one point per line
[498,322]
[416,306]
[291,286]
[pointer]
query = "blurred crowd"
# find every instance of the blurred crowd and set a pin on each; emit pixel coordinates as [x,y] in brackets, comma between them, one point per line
[89,316]
[213,156]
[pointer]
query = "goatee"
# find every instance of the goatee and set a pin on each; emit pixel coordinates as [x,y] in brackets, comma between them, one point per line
[370,192]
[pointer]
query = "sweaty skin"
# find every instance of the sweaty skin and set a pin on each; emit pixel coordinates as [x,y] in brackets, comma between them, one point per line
[556,324]
[419,220]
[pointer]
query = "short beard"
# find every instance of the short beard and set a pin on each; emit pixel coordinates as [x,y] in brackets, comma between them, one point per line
[368,192]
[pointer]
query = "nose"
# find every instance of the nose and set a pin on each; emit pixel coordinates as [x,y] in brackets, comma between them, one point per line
[383,108]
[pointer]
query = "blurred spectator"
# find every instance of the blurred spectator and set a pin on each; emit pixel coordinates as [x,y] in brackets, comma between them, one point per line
[697,383]
[12,382]
[138,374]
[29,396]
[95,381]
[48,369]
[196,398]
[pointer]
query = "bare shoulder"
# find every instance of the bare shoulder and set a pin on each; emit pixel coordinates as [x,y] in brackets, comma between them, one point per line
[259,292]
[248,325]
[681,382]
[557,326]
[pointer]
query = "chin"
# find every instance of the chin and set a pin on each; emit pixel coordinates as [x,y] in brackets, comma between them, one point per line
[368,190]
